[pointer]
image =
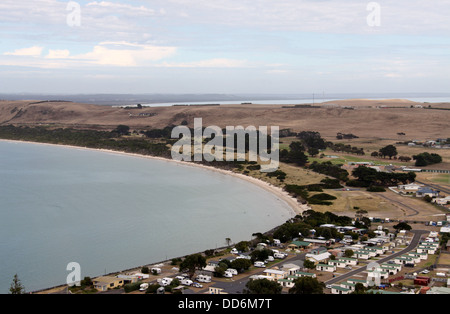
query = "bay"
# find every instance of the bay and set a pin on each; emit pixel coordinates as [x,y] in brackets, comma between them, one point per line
[110,212]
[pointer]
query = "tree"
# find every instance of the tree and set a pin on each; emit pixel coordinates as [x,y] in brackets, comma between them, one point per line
[16,286]
[307,285]
[262,286]
[122,129]
[389,150]
[348,253]
[228,241]
[402,226]
[193,262]
[309,264]
[312,151]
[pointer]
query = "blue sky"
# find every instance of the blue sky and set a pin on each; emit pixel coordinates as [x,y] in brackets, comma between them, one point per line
[228,46]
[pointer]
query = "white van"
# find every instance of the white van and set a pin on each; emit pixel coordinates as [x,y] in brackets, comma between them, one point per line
[165,281]
[143,287]
[259,264]
[203,278]
[155,270]
[227,274]
[279,255]
[186,282]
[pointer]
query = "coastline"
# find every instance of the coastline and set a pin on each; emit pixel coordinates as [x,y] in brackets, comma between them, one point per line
[293,206]
[292,202]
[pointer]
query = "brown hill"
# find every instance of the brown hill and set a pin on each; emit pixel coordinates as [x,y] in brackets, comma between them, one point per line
[365,118]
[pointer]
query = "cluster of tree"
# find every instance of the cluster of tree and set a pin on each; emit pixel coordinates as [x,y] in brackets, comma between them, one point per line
[389,151]
[240,264]
[367,177]
[341,147]
[295,155]
[329,169]
[425,159]
[86,138]
[302,225]
[341,136]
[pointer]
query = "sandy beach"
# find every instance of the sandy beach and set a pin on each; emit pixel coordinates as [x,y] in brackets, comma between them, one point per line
[292,202]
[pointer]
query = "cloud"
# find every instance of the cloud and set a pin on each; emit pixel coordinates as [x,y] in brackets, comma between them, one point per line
[125,54]
[34,51]
[58,54]
[209,63]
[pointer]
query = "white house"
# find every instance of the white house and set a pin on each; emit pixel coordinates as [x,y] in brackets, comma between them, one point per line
[326,267]
[337,263]
[335,289]
[319,258]
[275,274]
[349,261]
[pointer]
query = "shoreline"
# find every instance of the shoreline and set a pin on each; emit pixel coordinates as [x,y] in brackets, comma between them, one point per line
[292,202]
[295,208]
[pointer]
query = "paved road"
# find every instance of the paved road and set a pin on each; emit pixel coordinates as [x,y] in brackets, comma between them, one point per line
[407,207]
[414,242]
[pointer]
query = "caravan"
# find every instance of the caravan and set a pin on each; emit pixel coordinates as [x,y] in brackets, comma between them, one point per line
[203,278]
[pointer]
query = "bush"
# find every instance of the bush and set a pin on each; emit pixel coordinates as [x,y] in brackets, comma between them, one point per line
[376,189]
[132,287]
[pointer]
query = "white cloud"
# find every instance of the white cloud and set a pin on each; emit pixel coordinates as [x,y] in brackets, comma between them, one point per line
[125,54]
[34,51]
[209,63]
[58,54]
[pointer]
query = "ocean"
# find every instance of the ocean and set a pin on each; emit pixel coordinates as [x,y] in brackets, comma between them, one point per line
[110,212]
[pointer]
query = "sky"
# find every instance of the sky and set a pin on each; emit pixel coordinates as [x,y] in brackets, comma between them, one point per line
[226,46]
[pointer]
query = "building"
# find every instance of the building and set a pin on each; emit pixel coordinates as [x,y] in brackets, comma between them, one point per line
[107,282]
[299,245]
[275,274]
[319,258]
[426,191]
[325,267]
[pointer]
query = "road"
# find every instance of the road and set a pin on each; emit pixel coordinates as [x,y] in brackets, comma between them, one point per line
[407,207]
[414,242]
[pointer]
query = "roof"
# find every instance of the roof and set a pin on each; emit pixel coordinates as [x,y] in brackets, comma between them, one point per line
[300,243]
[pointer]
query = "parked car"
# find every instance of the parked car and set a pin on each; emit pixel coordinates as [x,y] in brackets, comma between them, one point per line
[197,285]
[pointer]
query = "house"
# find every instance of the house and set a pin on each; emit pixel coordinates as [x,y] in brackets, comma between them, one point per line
[105,283]
[335,289]
[217,288]
[349,261]
[325,267]
[426,191]
[391,270]
[362,254]
[290,268]
[337,263]
[320,258]
[355,281]
[442,200]
[299,245]
[275,274]
[304,274]
[412,187]
[318,241]
[319,250]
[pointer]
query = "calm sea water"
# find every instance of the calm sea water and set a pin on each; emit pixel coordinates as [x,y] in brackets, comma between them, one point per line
[110,212]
